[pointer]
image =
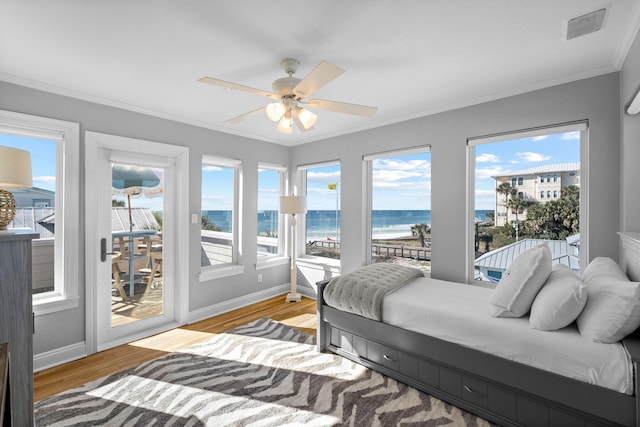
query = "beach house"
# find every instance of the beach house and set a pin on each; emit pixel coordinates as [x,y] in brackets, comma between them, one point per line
[538,184]
[108,83]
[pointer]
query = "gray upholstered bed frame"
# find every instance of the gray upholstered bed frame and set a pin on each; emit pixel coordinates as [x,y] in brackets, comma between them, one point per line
[505,392]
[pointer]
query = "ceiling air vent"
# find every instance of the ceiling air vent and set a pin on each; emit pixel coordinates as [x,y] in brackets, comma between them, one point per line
[585,24]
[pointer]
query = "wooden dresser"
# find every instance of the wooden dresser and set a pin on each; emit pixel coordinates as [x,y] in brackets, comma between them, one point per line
[16,322]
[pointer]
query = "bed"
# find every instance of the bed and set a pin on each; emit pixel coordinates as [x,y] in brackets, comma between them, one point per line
[519,383]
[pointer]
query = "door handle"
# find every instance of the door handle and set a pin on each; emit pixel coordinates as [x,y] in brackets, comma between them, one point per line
[103,250]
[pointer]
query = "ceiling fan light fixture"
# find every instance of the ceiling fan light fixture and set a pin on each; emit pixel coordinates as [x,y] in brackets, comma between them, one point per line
[286,124]
[275,110]
[307,118]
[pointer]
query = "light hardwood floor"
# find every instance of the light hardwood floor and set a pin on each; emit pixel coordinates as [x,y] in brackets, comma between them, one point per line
[300,315]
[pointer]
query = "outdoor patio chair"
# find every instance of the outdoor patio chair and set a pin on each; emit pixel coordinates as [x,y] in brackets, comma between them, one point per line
[118,279]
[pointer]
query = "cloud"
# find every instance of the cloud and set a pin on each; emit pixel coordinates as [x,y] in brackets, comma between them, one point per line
[397,175]
[209,168]
[326,177]
[482,173]
[487,158]
[540,138]
[529,156]
[402,165]
[45,179]
[415,185]
[570,135]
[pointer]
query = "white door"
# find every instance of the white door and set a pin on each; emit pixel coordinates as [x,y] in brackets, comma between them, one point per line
[135,209]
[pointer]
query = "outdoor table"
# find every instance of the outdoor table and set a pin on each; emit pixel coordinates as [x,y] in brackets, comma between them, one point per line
[132,235]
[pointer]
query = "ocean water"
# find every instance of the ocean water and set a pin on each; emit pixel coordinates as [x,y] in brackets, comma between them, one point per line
[321,224]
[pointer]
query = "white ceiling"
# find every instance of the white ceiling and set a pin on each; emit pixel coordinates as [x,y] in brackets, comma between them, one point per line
[409,58]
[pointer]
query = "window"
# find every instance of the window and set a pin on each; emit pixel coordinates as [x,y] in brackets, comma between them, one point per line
[514,182]
[399,221]
[219,222]
[504,218]
[520,181]
[51,206]
[271,184]
[321,184]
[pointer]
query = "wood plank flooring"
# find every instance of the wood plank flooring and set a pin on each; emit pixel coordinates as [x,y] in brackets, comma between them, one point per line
[300,315]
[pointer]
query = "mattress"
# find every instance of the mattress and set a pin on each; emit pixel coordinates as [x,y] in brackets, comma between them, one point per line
[460,314]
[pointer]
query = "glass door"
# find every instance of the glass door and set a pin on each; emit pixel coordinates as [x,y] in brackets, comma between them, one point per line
[136,255]
[133,238]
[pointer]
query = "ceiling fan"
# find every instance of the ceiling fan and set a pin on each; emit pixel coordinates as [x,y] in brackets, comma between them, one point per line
[290,92]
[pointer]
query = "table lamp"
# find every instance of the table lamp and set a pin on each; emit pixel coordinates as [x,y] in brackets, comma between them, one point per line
[15,172]
[293,205]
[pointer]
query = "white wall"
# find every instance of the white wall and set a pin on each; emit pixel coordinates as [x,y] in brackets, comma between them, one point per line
[67,328]
[595,99]
[630,145]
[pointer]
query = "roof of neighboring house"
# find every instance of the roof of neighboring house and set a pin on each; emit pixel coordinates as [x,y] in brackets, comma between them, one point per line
[143,219]
[33,190]
[542,169]
[501,258]
[43,220]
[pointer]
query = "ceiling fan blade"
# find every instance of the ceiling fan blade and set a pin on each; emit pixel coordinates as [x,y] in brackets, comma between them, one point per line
[244,116]
[236,86]
[342,107]
[322,74]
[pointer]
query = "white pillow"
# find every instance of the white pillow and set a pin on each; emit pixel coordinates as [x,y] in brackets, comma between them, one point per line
[559,302]
[520,284]
[613,304]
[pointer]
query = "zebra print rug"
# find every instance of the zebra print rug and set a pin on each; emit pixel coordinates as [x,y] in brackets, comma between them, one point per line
[260,374]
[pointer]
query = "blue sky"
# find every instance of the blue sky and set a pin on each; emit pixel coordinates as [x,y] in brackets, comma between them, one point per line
[43,155]
[496,158]
[402,182]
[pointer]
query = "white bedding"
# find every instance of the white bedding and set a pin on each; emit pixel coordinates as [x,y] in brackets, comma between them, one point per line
[460,314]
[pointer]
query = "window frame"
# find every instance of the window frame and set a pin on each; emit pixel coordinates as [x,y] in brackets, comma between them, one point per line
[66,135]
[301,227]
[235,267]
[579,125]
[271,260]
[367,168]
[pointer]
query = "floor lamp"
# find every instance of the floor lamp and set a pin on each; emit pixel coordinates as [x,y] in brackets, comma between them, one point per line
[293,205]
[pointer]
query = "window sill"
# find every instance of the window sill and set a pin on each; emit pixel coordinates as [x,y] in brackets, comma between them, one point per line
[50,304]
[273,261]
[212,273]
[313,261]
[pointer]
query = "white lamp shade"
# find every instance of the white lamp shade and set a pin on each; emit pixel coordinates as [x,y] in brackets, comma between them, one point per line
[307,118]
[286,124]
[293,204]
[15,168]
[275,110]
[634,107]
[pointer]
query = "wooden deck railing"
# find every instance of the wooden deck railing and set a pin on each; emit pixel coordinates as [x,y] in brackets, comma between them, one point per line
[378,249]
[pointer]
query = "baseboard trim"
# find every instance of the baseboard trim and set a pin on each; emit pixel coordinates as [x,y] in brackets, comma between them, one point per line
[49,359]
[52,358]
[243,301]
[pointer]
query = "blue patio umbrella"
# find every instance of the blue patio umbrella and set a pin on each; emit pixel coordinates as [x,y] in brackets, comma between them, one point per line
[135,181]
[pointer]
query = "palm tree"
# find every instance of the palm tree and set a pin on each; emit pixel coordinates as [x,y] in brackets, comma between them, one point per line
[506,190]
[518,205]
[420,230]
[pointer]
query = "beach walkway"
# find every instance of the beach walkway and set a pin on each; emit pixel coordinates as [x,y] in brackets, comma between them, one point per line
[378,249]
